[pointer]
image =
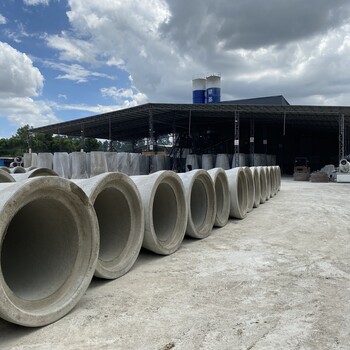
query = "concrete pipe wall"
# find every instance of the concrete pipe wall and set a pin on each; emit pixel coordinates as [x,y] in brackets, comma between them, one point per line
[61,164]
[238,185]
[6,177]
[45,160]
[268,182]
[164,203]
[78,166]
[18,170]
[97,163]
[222,196]
[251,190]
[257,189]
[222,161]
[207,161]
[201,202]
[120,215]
[272,181]
[34,173]
[158,163]
[192,160]
[49,243]
[6,169]
[263,184]
[278,172]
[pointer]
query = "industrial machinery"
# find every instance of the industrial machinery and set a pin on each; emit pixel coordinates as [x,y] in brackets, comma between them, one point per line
[301,169]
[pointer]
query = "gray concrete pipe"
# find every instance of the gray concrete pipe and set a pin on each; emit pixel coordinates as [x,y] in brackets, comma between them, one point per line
[18,170]
[45,160]
[164,203]
[263,184]
[192,160]
[6,169]
[273,181]
[34,173]
[251,191]
[78,165]
[207,161]
[6,177]
[257,189]
[222,161]
[344,166]
[238,186]
[49,244]
[120,215]
[278,172]
[222,196]
[96,163]
[268,182]
[201,202]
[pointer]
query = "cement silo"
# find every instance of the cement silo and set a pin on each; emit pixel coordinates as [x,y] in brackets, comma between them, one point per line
[213,84]
[198,89]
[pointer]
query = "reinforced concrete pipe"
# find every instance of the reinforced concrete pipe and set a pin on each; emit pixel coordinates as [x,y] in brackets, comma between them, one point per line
[201,202]
[257,189]
[251,190]
[18,170]
[344,166]
[44,160]
[49,244]
[34,173]
[120,215]
[238,186]
[5,177]
[263,184]
[164,203]
[6,169]
[278,177]
[273,181]
[268,182]
[222,196]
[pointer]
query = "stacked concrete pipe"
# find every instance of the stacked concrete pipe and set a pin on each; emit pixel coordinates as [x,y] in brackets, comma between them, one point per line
[257,188]
[268,182]
[263,184]
[6,169]
[163,198]
[201,202]
[78,165]
[222,196]
[49,243]
[238,185]
[45,160]
[278,172]
[222,161]
[6,177]
[34,173]
[18,170]
[120,215]
[251,190]
[207,161]
[273,181]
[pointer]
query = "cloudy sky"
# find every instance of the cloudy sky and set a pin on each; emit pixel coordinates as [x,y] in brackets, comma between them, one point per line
[67,59]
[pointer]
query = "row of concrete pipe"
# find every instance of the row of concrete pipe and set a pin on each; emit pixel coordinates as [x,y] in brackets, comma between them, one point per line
[56,233]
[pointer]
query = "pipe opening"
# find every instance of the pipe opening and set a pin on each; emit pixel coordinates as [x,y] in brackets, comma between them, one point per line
[199,203]
[39,249]
[164,212]
[114,220]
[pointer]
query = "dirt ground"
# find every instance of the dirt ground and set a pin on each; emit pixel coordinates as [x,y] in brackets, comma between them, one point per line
[279,279]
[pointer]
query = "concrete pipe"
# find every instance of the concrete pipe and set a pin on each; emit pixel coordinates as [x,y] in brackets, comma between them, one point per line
[344,166]
[45,160]
[238,186]
[207,161]
[164,203]
[34,173]
[5,177]
[273,181]
[278,172]
[257,189]
[201,202]
[61,164]
[222,196]
[263,184]
[6,169]
[97,163]
[78,165]
[49,244]
[251,191]
[120,215]
[191,162]
[222,161]
[268,182]
[18,170]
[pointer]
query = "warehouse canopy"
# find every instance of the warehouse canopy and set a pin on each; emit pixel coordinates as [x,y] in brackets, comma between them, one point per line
[135,122]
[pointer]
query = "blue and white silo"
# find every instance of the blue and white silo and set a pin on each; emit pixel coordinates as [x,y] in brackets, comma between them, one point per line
[213,88]
[198,90]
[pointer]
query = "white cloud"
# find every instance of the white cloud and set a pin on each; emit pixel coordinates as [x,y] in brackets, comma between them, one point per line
[19,82]
[36,2]
[2,19]
[131,96]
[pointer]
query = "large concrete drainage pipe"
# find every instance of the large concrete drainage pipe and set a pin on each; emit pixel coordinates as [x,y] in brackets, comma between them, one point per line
[238,185]
[201,202]
[120,215]
[272,181]
[6,177]
[257,188]
[263,184]
[49,244]
[268,183]
[34,173]
[278,172]
[251,191]
[222,195]
[164,203]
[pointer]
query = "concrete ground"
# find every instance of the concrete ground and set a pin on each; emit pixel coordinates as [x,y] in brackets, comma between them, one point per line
[279,279]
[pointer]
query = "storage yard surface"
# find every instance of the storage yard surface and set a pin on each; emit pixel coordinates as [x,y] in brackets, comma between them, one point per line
[279,279]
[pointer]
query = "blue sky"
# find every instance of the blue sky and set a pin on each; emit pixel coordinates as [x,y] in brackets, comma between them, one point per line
[67,59]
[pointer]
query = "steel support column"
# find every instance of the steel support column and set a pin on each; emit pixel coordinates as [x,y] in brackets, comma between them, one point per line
[252,142]
[151,131]
[236,140]
[341,136]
